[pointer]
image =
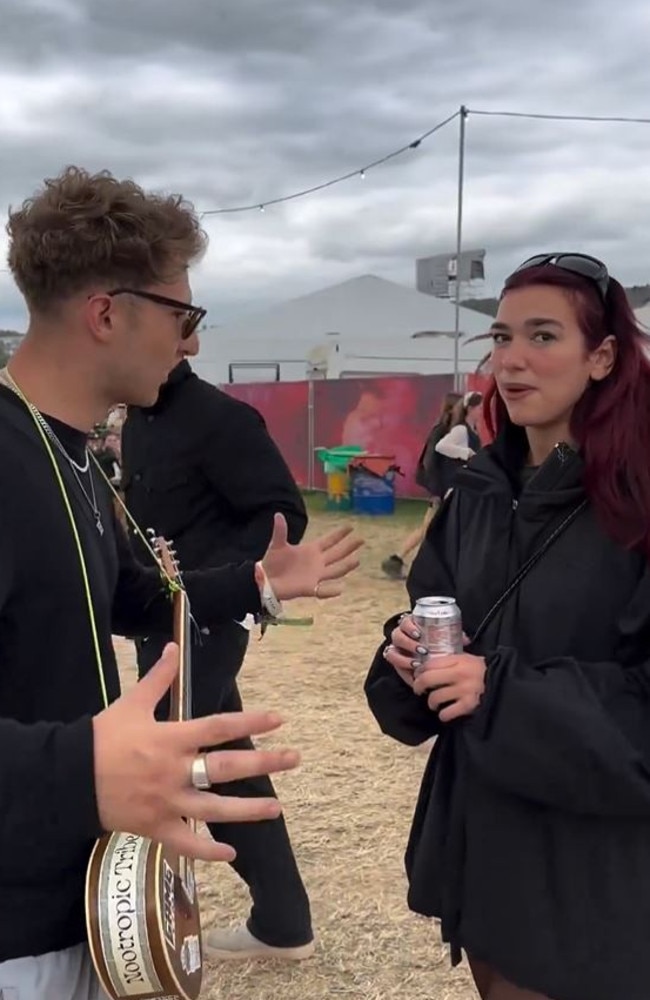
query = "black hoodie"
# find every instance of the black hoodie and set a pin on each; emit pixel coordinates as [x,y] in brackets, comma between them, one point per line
[531,836]
[201,468]
[49,683]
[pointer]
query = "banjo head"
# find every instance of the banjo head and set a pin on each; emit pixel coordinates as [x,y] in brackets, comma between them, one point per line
[143,919]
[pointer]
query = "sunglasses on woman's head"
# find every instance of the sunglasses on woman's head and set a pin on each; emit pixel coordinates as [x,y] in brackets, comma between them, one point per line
[577,263]
[194,313]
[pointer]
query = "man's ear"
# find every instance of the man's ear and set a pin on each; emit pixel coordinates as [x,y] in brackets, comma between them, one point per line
[100,316]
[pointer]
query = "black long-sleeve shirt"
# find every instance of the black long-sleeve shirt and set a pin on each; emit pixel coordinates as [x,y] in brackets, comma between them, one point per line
[201,468]
[49,682]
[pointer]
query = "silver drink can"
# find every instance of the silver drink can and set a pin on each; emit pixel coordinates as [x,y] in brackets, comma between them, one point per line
[439,620]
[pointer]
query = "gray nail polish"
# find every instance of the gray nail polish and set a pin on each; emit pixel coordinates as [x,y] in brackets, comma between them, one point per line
[421,650]
[415,634]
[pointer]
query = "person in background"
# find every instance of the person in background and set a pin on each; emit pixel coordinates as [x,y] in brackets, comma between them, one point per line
[116,418]
[113,442]
[102,444]
[113,448]
[428,476]
[96,439]
[462,441]
[202,469]
[531,836]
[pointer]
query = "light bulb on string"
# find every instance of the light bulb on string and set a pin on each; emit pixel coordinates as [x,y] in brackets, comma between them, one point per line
[463,112]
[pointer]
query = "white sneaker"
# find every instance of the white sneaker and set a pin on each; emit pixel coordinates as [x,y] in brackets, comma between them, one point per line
[239,943]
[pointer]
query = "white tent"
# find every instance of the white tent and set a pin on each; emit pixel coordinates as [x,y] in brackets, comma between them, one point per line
[365,326]
[643,315]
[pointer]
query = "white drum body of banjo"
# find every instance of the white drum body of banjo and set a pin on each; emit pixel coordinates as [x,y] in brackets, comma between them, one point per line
[146,941]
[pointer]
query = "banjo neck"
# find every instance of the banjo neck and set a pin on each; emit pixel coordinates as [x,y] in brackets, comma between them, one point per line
[180,701]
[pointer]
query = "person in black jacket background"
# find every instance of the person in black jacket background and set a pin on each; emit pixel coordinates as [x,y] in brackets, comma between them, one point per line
[462,441]
[201,468]
[531,836]
[430,475]
[104,452]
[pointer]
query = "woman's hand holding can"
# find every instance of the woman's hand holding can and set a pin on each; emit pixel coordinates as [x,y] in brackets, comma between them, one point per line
[405,653]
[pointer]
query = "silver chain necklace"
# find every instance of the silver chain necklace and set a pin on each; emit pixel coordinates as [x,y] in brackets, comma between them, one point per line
[77,469]
[57,441]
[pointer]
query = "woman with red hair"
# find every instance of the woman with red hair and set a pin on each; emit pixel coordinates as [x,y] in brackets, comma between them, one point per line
[531,837]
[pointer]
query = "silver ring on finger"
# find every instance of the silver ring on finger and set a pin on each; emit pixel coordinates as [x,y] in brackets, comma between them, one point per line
[200,777]
[317,589]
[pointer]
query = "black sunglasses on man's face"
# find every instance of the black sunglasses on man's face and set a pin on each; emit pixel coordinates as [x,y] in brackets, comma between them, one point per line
[194,313]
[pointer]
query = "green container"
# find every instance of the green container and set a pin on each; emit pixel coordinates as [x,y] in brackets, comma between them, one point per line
[335,464]
[337,459]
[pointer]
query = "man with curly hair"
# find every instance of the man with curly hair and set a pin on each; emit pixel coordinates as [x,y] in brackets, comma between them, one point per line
[103,267]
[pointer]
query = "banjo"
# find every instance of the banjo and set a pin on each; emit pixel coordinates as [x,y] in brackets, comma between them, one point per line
[142,910]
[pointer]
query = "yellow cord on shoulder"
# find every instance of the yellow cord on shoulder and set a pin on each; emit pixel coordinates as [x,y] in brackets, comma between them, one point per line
[75,532]
[172,585]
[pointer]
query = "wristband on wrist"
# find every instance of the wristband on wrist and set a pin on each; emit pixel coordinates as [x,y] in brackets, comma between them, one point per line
[271,606]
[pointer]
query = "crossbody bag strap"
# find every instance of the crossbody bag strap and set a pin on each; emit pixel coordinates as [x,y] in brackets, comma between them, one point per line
[526,568]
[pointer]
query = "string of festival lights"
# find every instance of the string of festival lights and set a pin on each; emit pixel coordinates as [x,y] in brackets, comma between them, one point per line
[359,172]
[261,206]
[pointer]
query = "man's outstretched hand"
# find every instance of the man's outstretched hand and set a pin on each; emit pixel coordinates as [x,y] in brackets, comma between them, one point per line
[310,569]
[143,768]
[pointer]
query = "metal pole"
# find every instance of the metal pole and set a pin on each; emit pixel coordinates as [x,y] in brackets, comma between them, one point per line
[459,243]
[310,434]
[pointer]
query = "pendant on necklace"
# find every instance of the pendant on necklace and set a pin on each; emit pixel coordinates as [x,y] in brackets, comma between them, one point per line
[98,523]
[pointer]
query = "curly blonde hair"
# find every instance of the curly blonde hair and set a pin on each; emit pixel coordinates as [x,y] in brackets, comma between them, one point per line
[81,228]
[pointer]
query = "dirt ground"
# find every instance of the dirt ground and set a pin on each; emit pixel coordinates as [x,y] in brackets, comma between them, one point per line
[348,807]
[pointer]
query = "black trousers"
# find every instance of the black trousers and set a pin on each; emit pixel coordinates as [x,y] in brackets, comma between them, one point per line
[280,915]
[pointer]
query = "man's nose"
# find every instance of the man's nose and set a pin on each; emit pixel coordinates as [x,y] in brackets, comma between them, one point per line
[190,347]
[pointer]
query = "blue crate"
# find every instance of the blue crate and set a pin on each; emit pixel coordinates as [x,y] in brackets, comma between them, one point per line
[372,494]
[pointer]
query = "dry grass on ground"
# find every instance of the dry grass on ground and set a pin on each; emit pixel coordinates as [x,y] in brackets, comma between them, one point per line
[348,808]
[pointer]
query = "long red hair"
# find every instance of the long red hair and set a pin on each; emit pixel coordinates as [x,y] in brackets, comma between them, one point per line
[611,422]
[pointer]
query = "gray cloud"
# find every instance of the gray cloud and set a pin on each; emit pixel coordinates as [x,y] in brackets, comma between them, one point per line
[240,102]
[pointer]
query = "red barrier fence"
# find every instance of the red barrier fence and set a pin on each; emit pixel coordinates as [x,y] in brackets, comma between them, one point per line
[385,416]
[285,408]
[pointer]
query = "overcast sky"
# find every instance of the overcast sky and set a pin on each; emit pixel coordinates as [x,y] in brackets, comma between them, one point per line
[240,101]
